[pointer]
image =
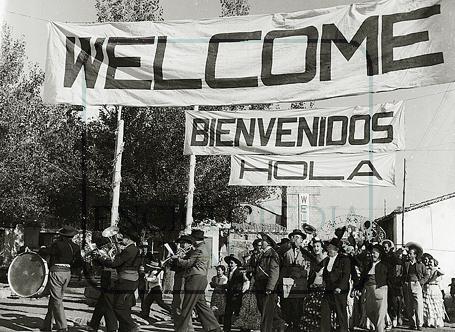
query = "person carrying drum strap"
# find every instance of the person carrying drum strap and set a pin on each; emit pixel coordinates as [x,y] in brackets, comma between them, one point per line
[63,254]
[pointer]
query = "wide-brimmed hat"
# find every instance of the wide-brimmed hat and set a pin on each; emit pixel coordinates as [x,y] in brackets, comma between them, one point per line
[231,257]
[256,242]
[197,234]
[67,231]
[390,242]
[416,246]
[426,255]
[185,238]
[307,228]
[284,240]
[267,238]
[336,242]
[297,232]
[339,232]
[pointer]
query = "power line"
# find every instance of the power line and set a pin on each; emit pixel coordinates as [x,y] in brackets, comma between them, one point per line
[28,16]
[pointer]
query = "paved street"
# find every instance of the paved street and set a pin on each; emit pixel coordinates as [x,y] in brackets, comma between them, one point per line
[27,314]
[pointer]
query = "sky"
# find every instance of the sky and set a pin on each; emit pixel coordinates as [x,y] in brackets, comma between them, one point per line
[429,120]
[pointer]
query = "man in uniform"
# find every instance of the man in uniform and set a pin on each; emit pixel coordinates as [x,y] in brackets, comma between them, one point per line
[266,279]
[121,299]
[196,263]
[63,253]
[185,243]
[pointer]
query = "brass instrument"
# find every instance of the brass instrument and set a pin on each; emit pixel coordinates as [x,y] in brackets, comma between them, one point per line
[181,252]
[111,233]
[110,249]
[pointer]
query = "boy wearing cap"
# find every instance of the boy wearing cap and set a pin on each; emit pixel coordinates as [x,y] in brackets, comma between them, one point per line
[234,292]
[154,276]
[63,253]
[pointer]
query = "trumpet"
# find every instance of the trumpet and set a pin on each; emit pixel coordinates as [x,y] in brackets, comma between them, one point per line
[180,252]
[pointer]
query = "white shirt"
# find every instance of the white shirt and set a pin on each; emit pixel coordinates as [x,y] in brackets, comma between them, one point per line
[331,261]
[373,267]
[231,272]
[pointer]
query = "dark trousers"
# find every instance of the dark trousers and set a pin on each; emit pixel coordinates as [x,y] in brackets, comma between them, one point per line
[104,308]
[267,305]
[58,281]
[395,301]
[334,303]
[292,310]
[233,304]
[194,298]
[115,304]
[154,295]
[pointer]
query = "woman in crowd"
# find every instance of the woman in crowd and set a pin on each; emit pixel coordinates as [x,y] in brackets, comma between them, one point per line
[218,301]
[312,303]
[249,316]
[433,303]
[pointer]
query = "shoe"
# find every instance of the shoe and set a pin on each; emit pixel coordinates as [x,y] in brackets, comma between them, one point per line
[90,328]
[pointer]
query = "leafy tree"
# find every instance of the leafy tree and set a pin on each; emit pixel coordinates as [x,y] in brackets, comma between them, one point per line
[154,168]
[38,159]
[234,7]
[128,11]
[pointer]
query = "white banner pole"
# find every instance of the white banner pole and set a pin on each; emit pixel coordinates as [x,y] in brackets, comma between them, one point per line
[117,177]
[189,199]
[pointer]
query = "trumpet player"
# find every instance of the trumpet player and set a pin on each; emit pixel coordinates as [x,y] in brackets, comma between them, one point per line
[185,243]
[118,302]
[196,264]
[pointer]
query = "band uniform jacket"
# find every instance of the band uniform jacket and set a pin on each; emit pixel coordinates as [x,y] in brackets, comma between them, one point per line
[196,261]
[422,272]
[268,268]
[293,265]
[126,263]
[63,251]
[340,274]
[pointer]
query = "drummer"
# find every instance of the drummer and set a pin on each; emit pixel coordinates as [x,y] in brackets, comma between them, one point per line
[64,254]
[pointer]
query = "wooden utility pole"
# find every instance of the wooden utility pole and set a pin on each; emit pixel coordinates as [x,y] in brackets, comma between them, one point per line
[284,206]
[403,203]
[117,177]
[190,195]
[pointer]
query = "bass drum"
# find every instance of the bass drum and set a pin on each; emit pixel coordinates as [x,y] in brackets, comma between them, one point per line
[28,274]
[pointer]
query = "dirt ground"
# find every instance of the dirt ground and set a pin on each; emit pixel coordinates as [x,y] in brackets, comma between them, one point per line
[27,314]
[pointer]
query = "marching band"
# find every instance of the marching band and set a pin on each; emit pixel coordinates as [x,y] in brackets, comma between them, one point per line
[289,286]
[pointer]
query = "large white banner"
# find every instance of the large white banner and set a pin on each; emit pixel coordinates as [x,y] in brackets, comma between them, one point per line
[319,170]
[307,55]
[342,129]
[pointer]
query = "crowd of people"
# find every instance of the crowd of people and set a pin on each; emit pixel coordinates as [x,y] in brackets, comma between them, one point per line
[301,284]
